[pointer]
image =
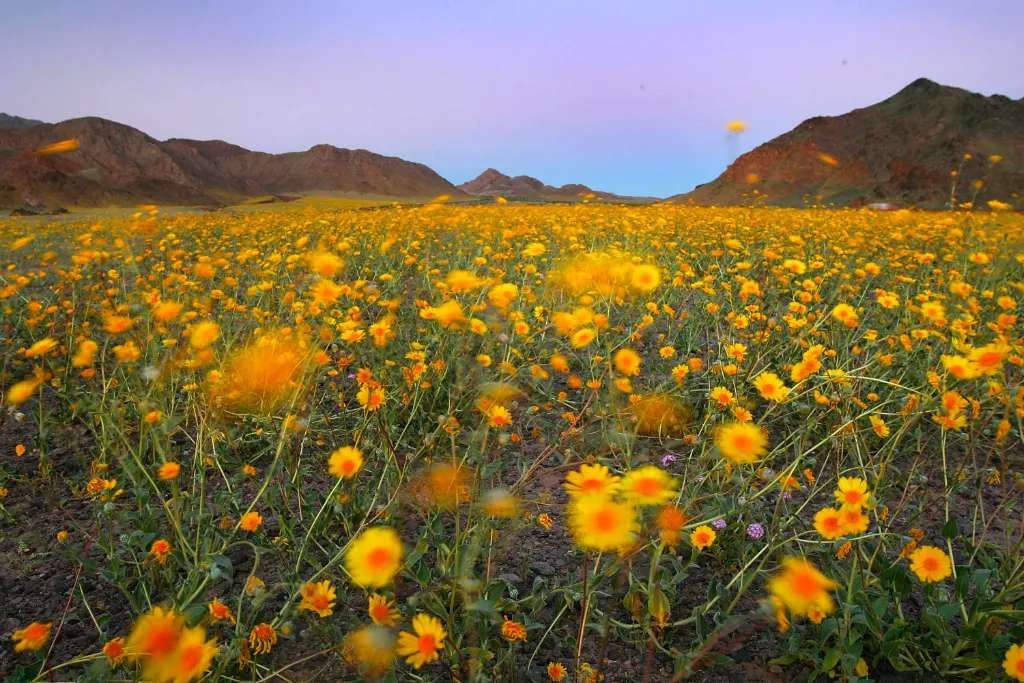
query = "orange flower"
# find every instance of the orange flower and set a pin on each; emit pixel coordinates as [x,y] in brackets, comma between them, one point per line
[513,631]
[219,611]
[32,637]
[262,638]
[250,521]
[318,597]
[159,550]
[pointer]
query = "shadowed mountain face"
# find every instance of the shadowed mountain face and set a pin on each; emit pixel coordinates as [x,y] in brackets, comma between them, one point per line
[117,164]
[492,183]
[900,150]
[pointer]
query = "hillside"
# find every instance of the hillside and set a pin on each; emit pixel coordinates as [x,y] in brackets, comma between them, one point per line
[900,150]
[116,164]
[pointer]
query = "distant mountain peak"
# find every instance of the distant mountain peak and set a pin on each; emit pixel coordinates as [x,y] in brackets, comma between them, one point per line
[118,164]
[900,151]
[12,122]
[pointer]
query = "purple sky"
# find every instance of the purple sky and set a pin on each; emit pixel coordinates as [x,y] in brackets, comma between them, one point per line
[629,97]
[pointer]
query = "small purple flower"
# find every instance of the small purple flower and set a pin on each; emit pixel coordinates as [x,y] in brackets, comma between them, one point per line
[755,531]
[667,459]
[787,495]
[718,523]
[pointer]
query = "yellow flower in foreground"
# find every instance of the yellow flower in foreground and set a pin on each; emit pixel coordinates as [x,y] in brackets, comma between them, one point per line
[598,523]
[191,658]
[930,564]
[741,442]
[32,637]
[1013,664]
[374,557]
[591,480]
[802,589]
[318,597]
[648,486]
[154,638]
[345,462]
[371,648]
[421,647]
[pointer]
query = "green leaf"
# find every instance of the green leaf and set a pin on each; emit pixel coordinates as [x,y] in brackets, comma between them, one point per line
[831,659]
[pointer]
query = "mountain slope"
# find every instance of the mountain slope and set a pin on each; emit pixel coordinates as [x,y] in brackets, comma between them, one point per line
[493,183]
[899,150]
[117,164]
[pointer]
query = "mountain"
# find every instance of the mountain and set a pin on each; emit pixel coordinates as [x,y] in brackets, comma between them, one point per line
[900,151]
[117,164]
[9,122]
[493,183]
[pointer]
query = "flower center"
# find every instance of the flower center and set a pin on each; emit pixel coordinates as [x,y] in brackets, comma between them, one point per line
[427,644]
[190,656]
[604,521]
[647,486]
[805,584]
[378,558]
[161,641]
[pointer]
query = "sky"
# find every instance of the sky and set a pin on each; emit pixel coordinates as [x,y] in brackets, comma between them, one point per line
[628,97]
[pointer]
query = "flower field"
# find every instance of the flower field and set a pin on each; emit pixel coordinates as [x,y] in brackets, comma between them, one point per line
[513,443]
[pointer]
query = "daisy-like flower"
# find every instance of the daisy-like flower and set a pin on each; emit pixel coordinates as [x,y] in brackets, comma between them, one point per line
[828,522]
[250,521]
[154,638]
[852,492]
[382,610]
[262,638]
[498,416]
[374,557]
[371,649]
[599,523]
[1013,663]
[168,471]
[32,637]
[159,550]
[191,658]
[513,631]
[219,611]
[114,651]
[591,480]
[627,362]
[647,485]
[556,672]
[318,597]
[703,537]
[345,462]
[802,589]
[741,442]
[930,564]
[422,645]
[670,521]
[770,386]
